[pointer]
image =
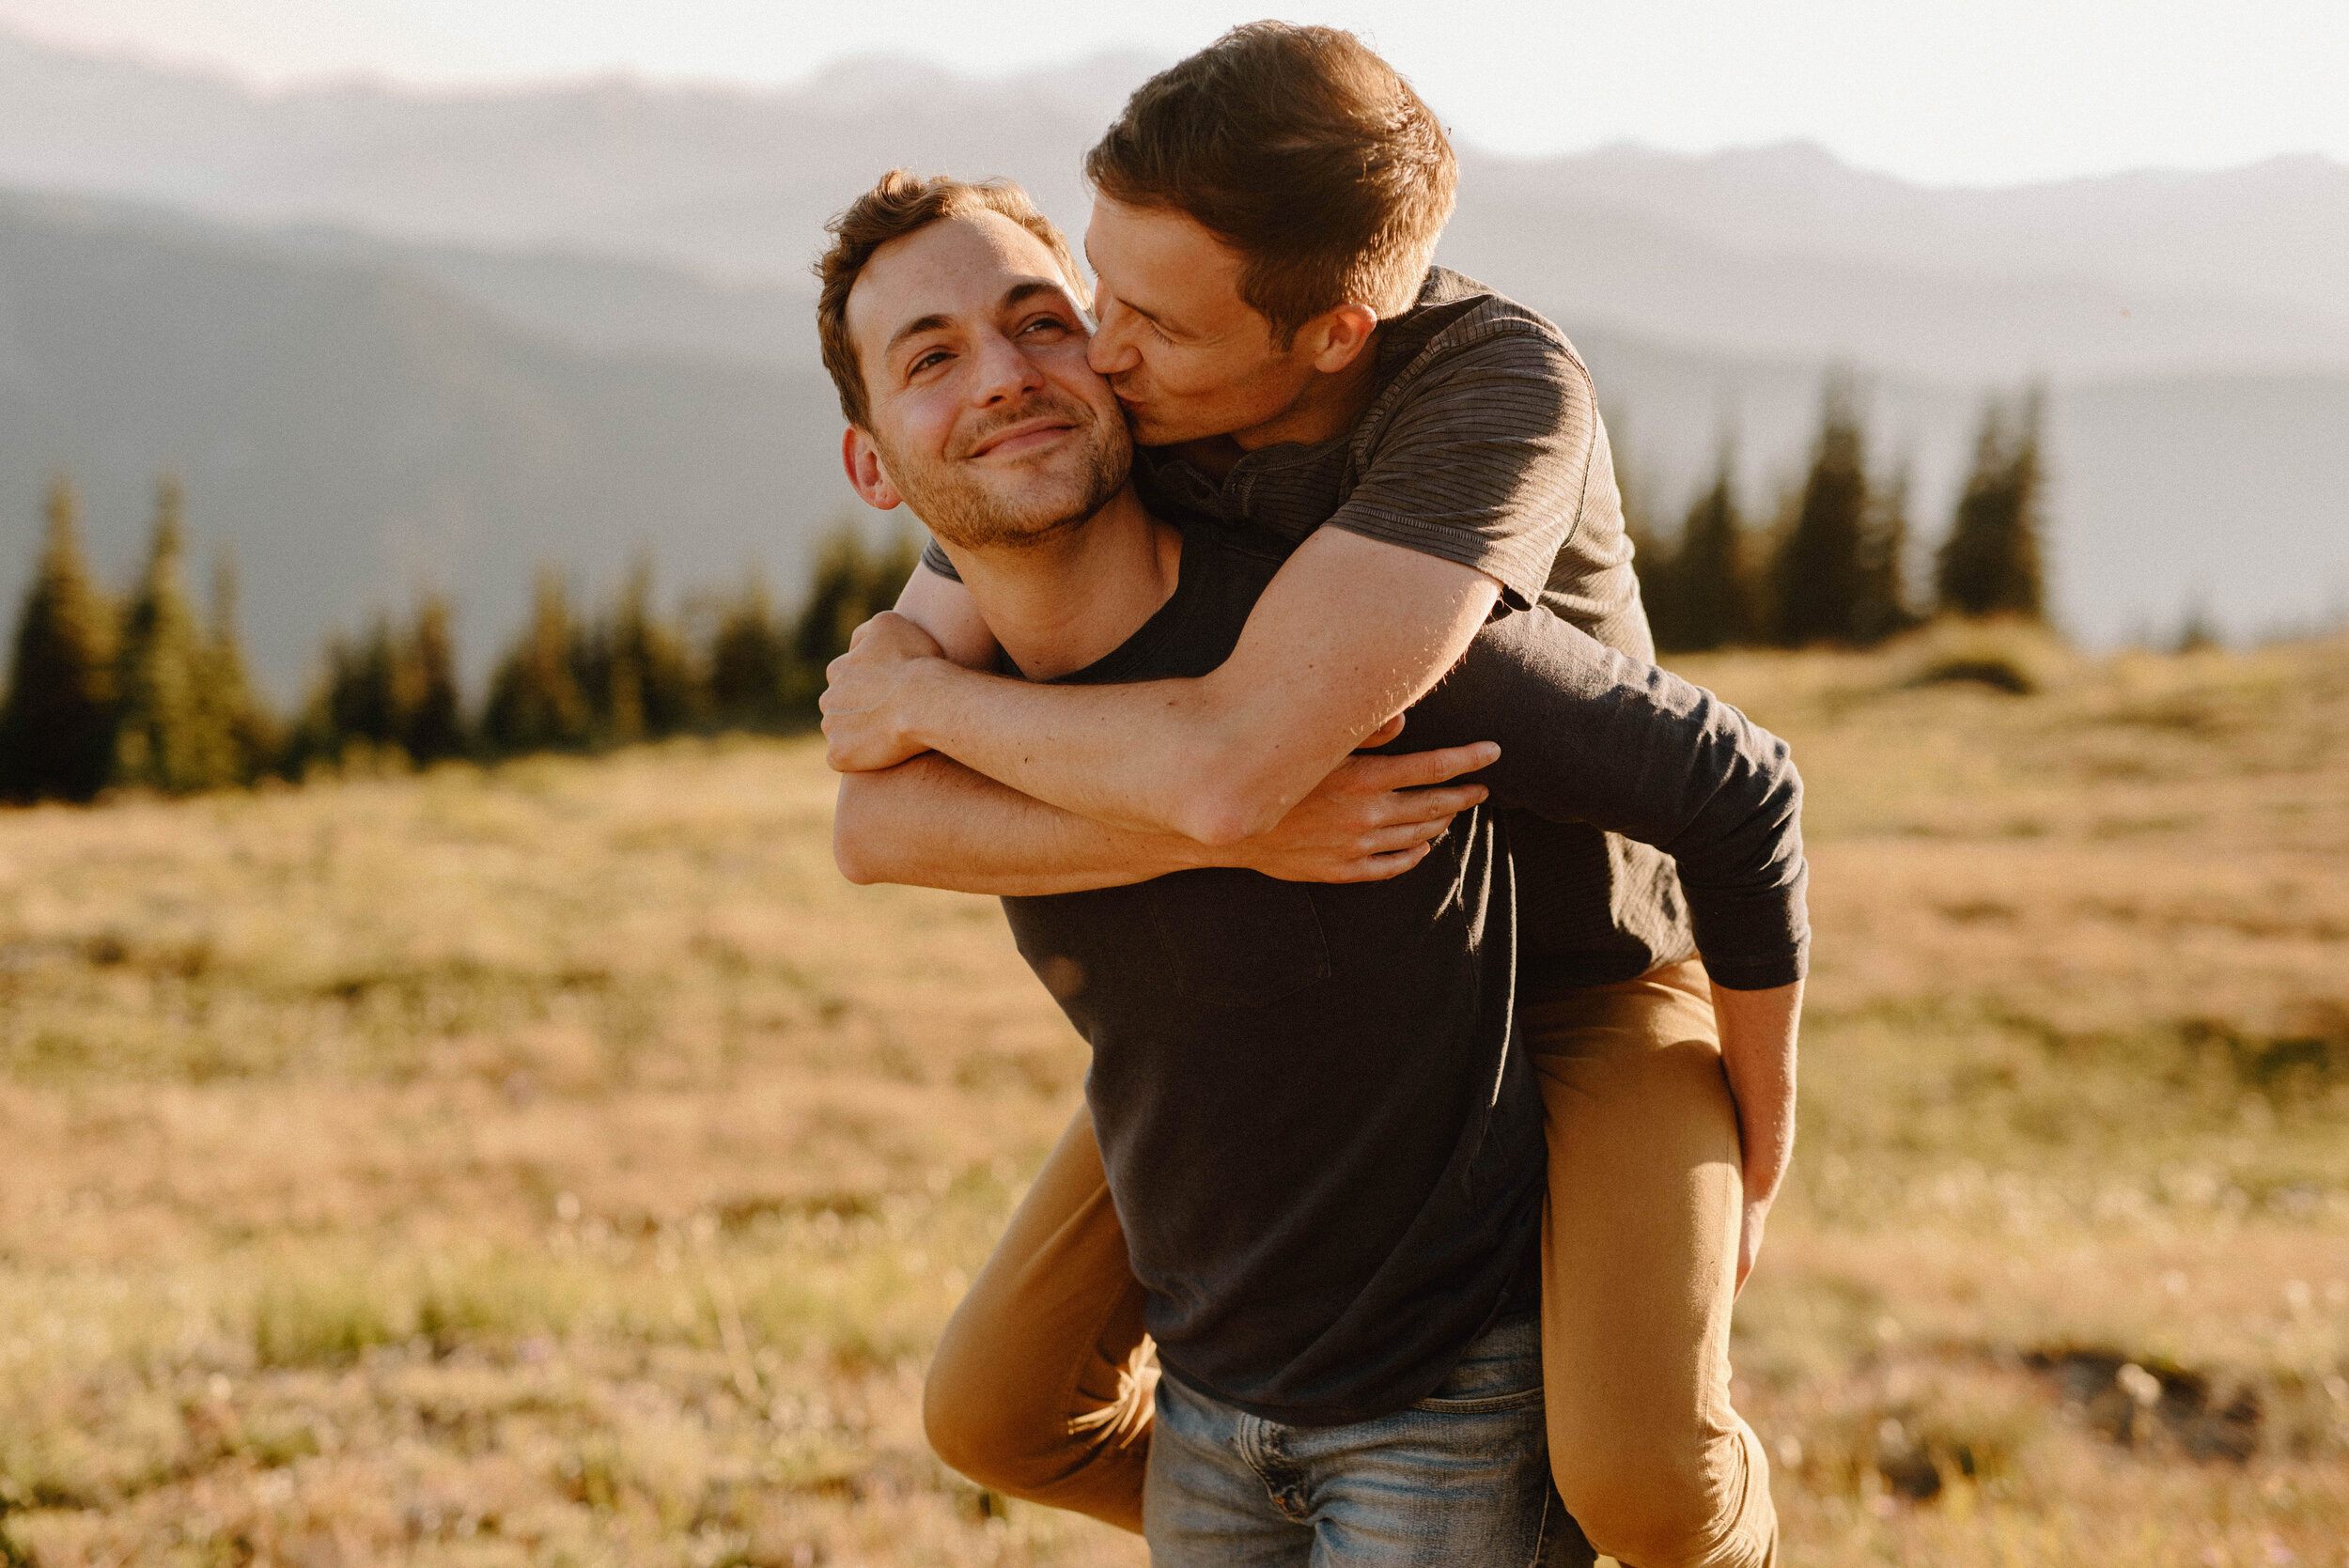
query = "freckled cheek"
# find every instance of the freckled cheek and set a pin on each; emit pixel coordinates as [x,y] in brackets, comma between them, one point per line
[931,424]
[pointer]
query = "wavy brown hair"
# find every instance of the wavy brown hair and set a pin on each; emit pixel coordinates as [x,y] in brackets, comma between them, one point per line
[1301,150]
[901,202]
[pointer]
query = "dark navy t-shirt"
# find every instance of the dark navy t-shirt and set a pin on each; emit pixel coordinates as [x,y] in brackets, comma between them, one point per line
[1324,1145]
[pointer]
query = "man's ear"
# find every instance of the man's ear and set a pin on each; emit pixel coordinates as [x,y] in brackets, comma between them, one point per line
[1336,338]
[862,458]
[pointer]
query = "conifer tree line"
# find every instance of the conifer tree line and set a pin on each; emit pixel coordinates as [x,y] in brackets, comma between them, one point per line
[142,690]
[1831,566]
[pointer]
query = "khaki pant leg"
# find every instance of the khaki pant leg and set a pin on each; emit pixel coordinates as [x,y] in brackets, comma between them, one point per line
[1042,1382]
[1639,1270]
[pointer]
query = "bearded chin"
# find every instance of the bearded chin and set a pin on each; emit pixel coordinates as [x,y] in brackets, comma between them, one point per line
[971,517]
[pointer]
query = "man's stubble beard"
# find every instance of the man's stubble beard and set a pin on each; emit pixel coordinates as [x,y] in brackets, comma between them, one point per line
[968,514]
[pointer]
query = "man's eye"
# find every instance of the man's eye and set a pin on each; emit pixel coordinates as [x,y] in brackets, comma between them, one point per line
[935,356]
[1044,324]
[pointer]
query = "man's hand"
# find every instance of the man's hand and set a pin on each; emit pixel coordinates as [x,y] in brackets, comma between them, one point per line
[1371,818]
[863,702]
[1758,1049]
[1749,1236]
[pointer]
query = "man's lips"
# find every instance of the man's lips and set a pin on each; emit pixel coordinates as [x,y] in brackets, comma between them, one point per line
[1025,436]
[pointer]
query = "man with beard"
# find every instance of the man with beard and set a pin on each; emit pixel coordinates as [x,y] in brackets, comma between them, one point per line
[1323,1146]
[1430,453]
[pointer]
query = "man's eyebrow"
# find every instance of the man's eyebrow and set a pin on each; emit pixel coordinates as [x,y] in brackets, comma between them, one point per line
[1019,293]
[1015,294]
[920,324]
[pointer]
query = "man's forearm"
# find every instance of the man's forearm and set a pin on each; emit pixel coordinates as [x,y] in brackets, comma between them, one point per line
[1138,757]
[1349,633]
[932,822]
[1758,1049]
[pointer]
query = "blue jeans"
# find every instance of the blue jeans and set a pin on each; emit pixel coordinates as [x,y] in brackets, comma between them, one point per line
[1461,1478]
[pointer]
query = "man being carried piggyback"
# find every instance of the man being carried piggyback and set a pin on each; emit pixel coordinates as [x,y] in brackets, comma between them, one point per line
[1306,1167]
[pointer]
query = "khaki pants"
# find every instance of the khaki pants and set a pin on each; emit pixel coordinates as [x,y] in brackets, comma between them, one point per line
[1041,1387]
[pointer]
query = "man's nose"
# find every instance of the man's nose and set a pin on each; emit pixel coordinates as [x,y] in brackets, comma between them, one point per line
[1006,371]
[1112,351]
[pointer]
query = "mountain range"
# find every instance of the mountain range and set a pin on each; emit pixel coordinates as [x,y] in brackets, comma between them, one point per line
[391,337]
[350,430]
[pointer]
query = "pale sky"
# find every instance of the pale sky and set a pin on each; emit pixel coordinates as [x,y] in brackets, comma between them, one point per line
[1987,92]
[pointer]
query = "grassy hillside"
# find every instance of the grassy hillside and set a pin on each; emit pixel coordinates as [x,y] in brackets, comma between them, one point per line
[561,1164]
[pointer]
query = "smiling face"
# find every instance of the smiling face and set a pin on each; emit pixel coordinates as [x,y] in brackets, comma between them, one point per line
[1187,356]
[982,414]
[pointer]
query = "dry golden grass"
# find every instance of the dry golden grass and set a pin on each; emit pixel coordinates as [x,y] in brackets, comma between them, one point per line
[561,1164]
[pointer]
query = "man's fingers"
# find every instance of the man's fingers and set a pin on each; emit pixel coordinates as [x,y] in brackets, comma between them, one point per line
[1750,1233]
[1417,769]
[1378,868]
[1434,804]
[1404,835]
[1384,733]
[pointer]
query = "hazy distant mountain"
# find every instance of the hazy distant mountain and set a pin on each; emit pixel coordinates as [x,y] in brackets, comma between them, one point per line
[1779,251]
[737,182]
[1625,267]
[2274,233]
[450,336]
[357,415]
[351,429]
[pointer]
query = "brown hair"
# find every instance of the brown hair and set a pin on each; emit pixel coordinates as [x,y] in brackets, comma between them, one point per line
[900,203]
[1299,149]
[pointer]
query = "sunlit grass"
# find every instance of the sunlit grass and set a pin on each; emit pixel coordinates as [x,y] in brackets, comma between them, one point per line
[561,1164]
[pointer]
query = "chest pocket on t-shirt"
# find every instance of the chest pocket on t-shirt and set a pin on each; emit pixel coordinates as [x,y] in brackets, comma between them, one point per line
[1238,939]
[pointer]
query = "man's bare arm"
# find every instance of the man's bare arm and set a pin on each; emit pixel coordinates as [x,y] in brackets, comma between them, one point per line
[1758,1034]
[931,822]
[1349,631]
[944,609]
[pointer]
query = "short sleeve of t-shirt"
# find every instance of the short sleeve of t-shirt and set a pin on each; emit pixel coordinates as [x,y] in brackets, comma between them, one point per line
[1483,456]
[934,557]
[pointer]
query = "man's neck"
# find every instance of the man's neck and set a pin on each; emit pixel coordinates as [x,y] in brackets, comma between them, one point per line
[1327,408]
[1058,606]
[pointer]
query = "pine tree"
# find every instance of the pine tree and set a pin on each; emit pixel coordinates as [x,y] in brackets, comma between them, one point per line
[1883,609]
[169,733]
[363,687]
[1710,588]
[430,711]
[1816,577]
[852,584]
[255,739]
[1990,563]
[387,690]
[750,663]
[535,703]
[636,670]
[57,727]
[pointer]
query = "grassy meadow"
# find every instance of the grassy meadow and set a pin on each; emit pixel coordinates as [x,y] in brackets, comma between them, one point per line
[560,1164]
